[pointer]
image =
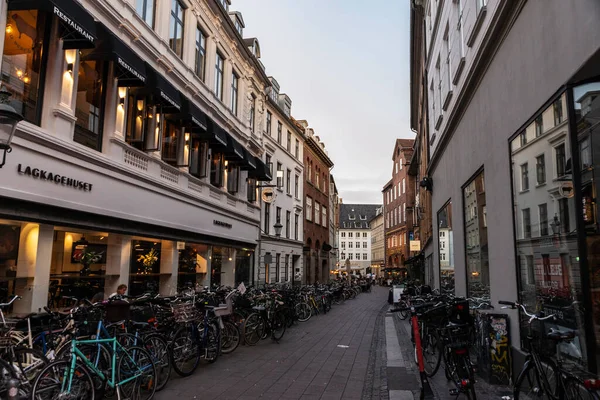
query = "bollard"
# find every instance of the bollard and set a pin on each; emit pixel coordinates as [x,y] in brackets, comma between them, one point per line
[13,389]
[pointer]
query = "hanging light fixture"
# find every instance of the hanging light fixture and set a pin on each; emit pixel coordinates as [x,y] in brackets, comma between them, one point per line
[9,117]
[82,241]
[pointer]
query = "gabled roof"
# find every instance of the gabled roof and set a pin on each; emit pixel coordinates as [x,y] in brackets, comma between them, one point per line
[403,145]
[357,216]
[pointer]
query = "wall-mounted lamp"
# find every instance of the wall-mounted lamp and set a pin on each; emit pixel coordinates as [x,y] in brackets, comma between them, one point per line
[70,57]
[122,94]
[9,118]
[427,183]
[70,68]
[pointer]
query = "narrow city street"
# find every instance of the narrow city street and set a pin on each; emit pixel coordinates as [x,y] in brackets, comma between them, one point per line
[332,356]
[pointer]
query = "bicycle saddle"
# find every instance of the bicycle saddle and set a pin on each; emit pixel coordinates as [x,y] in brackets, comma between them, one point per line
[557,335]
[139,324]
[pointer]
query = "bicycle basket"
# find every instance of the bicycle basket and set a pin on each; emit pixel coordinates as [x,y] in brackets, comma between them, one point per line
[185,312]
[544,346]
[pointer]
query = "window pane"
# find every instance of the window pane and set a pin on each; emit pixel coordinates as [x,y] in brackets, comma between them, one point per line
[478,277]
[446,254]
[88,105]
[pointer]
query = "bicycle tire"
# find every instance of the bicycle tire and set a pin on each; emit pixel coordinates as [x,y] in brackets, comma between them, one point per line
[212,342]
[231,337]
[158,346]
[35,360]
[51,377]
[576,390]
[133,361]
[529,381]
[277,326]
[99,355]
[254,329]
[432,352]
[6,374]
[185,351]
[303,311]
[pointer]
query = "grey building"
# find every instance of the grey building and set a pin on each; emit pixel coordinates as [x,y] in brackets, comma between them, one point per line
[510,104]
[355,235]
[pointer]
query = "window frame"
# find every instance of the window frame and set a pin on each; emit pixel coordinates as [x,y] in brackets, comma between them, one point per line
[200,54]
[145,6]
[540,169]
[234,98]
[219,75]
[174,18]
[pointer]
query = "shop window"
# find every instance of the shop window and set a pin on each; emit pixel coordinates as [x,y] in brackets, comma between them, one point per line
[9,251]
[24,61]
[233,178]
[244,264]
[144,267]
[446,256]
[193,266]
[78,267]
[170,141]
[478,267]
[199,158]
[217,170]
[548,281]
[145,123]
[89,104]
[251,190]
[230,266]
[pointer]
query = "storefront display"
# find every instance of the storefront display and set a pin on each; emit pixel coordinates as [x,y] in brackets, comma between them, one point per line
[193,266]
[144,267]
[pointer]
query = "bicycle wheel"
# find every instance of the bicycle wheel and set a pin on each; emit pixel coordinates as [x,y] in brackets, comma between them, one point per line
[185,351]
[212,342]
[277,326]
[29,362]
[575,390]
[254,329]
[533,383]
[158,347]
[432,351]
[99,355]
[230,337]
[303,312]
[49,382]
[6,374]
[136,369]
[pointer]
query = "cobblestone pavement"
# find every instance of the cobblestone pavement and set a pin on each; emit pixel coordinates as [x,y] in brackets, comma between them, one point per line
[306,364]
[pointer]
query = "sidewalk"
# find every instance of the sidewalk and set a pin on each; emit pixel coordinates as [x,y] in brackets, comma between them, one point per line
[403,373]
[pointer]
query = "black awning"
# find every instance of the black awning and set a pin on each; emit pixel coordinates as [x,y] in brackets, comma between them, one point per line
[216,136]
[262,171]
[79,26]
[235,150]
[130,69]
[192,113]
[166,93]
[249,161]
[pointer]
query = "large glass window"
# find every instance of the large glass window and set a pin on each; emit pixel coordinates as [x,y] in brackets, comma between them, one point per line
[170,141]
[217,170]
[144,267]
[176,28]
[145,123]
[219,68]
[288,216]
[145,9]
[446,246]
[89,104]
[23,67]
[252,112]
[199,159]
[233,178]
[224,262]
[193,266]
[547,250]
[308,212]
[269,121]
[478,265]
[200,54]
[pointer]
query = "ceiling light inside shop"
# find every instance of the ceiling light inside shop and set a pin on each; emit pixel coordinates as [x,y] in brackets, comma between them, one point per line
[9,29]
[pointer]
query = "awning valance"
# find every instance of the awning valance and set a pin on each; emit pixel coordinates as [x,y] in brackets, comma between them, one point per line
[79,26]
[216,136]
[130,70]
[235,150]
[192,113]
[250,161]
[262,171]
[166,93]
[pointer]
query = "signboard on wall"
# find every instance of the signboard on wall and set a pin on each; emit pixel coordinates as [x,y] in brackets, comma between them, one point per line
[415,245]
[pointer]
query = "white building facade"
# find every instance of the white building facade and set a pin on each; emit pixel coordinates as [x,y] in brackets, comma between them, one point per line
[355,236]
[139,155]
[281,256]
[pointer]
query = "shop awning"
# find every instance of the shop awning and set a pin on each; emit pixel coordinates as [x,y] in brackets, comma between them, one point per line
[79,26]
[166,93]
[215,134]
[192,113]
[235,150]
[262,171]
[250,161]
[130,69]
[415,259]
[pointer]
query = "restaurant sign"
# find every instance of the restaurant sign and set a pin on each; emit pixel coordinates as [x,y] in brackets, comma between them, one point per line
[49,176]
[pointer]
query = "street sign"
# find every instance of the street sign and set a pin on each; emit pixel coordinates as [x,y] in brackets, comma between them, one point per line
[180,245]
[268,195]
[415,245]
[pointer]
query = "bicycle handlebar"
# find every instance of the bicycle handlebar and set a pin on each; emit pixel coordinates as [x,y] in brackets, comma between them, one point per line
[532,317]
[11,301]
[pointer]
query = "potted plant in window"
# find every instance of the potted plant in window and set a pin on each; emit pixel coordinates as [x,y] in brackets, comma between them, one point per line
[88,258]
[148,260]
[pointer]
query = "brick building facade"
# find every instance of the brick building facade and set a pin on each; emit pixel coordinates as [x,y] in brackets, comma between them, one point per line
[398,200]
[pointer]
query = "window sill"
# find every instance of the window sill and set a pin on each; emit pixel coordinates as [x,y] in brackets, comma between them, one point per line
[438,122]
[524,191]
[539,185]
[461,65]
[477,26]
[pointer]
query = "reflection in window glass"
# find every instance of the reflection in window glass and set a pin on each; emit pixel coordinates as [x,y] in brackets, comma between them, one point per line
[144,267]
[176,28]
[478,266]
[89,105]
[9,251]
[587,110]
[547,251]
[193,266]
[446,243]
[22,61]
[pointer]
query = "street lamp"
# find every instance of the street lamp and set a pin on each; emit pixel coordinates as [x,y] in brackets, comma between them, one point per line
[277,228]
[9,117]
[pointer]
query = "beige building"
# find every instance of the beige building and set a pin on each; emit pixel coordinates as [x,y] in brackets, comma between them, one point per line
[377,242]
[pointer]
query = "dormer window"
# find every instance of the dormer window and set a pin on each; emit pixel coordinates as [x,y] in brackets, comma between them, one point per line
[351,217]
[238,27]
[363,217]
[224,4]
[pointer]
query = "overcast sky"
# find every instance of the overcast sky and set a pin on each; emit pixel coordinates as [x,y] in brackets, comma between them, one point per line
[345,65]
